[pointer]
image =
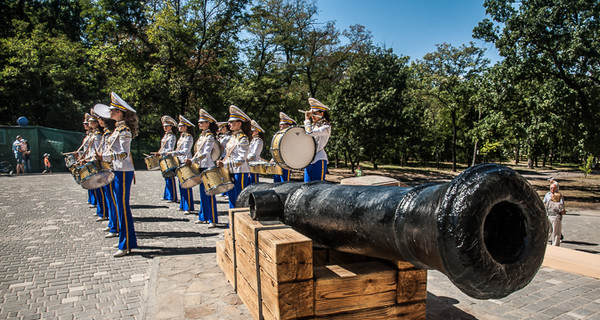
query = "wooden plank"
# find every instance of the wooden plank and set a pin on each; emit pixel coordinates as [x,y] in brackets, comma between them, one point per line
[224,261]
[412,285]
[247,295]
[287,300]
[410,311]
[286,255]
[354,287]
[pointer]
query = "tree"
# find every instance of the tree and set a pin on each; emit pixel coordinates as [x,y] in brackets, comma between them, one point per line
[448,75]
[370,103]
[556,40]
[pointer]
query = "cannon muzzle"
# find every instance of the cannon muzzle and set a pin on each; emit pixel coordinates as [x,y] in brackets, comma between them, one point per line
[486,229]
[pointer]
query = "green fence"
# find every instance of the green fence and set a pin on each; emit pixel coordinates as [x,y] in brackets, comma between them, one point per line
[55,142]
[41,140]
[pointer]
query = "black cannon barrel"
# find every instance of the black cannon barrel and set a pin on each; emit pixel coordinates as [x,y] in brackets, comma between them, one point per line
[486,229]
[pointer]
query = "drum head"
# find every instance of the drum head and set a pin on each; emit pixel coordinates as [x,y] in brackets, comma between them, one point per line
[215,154]
[98,180]
[297,149]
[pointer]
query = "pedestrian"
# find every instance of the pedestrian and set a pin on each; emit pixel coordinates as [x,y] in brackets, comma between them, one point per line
[236,152]
[26,155]
[256,146]
[118,152]
[555,208]
[285,122]
[203,156]
[317,125]
[47,164]
[16,147]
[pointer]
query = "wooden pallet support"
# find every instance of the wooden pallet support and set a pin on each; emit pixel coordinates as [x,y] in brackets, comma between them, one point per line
[279,275]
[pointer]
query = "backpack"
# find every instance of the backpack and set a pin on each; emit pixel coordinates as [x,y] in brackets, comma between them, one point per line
[553,206]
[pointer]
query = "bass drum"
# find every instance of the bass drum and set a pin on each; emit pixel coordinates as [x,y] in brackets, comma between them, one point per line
[168,166]
[95,174]
[216,180]
[293,149]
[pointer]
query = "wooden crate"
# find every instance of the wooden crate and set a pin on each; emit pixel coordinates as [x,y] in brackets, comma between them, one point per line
[295,280]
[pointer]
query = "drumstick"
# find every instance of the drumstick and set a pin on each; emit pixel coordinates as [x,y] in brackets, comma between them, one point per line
[302,111]
[147,155]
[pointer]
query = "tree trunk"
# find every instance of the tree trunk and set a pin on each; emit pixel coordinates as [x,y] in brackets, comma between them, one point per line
[453,140]
[517,155]
[529,162]
[475,153]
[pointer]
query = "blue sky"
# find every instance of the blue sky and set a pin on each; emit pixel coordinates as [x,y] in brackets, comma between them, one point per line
[411,27]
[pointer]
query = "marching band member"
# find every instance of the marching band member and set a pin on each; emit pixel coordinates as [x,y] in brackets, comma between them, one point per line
[84,145]
[223,135]
[284,122]
[93,148]
[256,146]
[320,130]
[204,147]
[118,151]
[103,114]
[167,144]
[236,152]
[183,151]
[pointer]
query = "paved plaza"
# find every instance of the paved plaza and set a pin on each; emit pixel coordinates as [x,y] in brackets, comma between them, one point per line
[56,264]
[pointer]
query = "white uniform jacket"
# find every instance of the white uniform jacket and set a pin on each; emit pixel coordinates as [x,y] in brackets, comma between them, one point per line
[183,151]
[237,148]
[119,148]
[204,147]
[94,142]
[167,143]
[256,146]
[320,131]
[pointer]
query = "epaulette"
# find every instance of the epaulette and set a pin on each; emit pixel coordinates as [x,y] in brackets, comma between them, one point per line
[123,127]
[170,133]
[97,131]
[185,134]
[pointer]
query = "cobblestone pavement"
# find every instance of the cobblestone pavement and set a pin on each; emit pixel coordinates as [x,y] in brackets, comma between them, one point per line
[56,264]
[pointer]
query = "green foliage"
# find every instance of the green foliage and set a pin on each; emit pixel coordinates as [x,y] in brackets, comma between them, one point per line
[587,168]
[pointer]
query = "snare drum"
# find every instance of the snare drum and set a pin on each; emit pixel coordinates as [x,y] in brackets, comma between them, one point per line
[292,148]
[95,174]
[70,160]
[152,162]
[216,180]
[189,175]
[258,167]
[168,166]
[75,173]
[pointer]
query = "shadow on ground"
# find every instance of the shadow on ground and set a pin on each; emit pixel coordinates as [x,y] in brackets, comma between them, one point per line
[158,219]
[151,252]
[172,234]
[443,308]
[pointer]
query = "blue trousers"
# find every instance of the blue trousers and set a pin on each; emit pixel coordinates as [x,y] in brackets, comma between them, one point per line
[315,171]
[187,199]
[91,198]
[170,189]
[102,207]
[253,178]
[208,207]
[285,176]
[113,218]
[121,191]
[240,181]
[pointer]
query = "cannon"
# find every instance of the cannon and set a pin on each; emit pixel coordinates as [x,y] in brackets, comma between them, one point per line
[486,230]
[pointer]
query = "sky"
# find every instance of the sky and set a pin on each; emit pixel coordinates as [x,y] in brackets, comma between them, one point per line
[411,27]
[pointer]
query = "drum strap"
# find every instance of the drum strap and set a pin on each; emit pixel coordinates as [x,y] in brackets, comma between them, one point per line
[229,151]
[200,147]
